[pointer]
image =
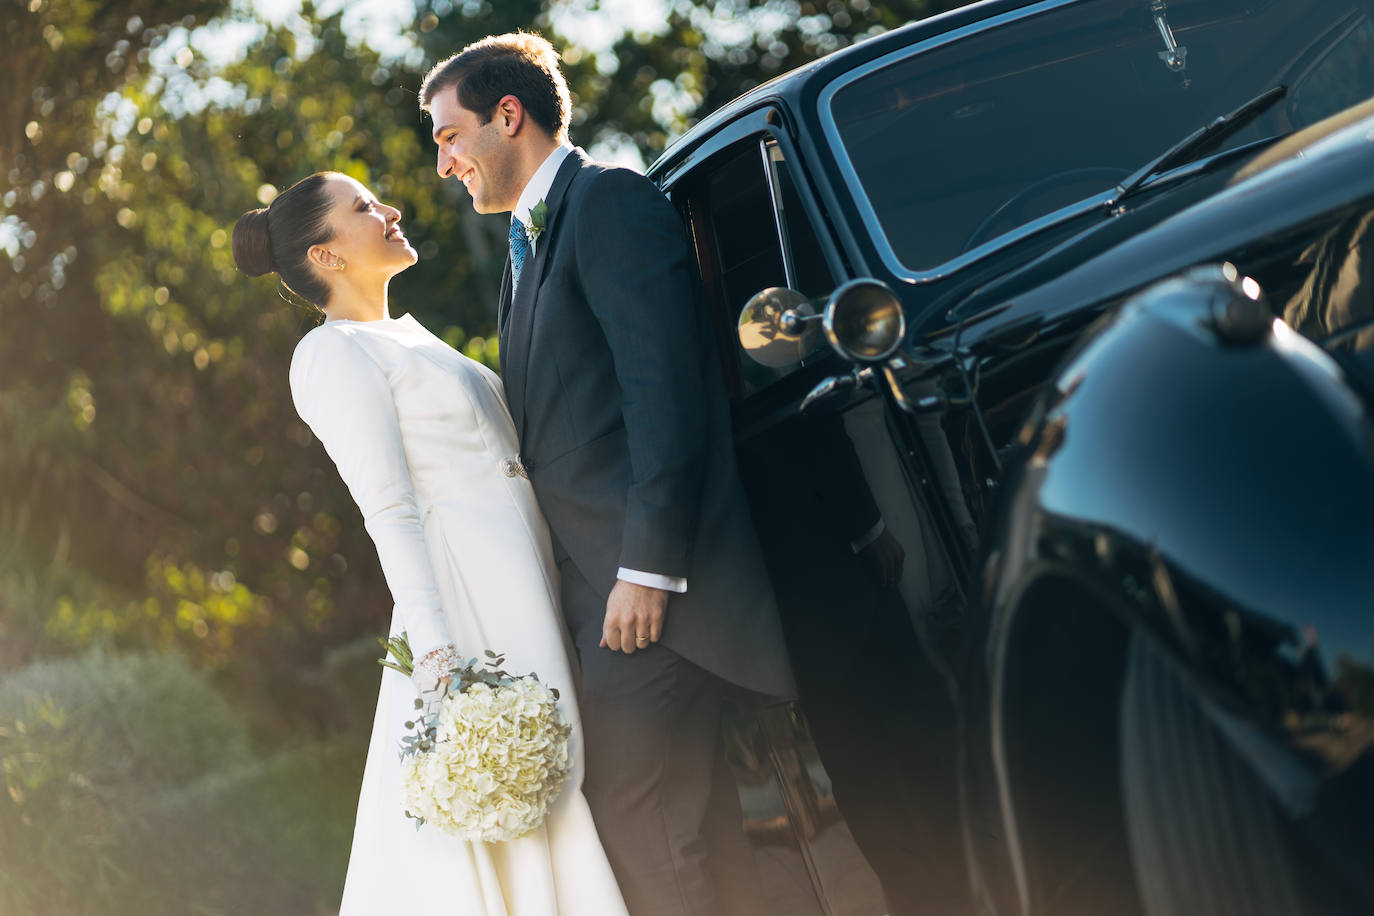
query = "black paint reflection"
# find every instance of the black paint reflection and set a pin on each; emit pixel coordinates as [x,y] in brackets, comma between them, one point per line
[1321,283]
[1219,495]
[852,560]
[806,858]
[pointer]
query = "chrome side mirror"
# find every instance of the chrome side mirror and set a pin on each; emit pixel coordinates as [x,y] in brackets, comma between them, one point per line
[864,321]
[777,328]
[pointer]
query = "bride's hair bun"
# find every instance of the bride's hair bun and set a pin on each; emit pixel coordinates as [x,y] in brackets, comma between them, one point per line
[253,244]
[299,220]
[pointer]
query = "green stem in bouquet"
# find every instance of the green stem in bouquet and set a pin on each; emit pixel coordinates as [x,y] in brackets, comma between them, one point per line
[397,647]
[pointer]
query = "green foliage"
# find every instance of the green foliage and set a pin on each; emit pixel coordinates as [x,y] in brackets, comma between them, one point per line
[270,838]
[79,740]
[169,456]
[146,433]
[353,682]
[125,713]
[652,86]
[397,655]
[132,788]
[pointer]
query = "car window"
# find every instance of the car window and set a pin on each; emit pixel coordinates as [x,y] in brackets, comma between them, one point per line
[739,211]
[955,145]
[1343,76]
[753,233]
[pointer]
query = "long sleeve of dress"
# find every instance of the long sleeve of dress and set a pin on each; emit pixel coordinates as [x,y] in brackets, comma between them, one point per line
[342,394]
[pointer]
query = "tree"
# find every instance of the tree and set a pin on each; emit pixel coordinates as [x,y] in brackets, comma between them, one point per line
[66,63]
[652,86]
[156,487]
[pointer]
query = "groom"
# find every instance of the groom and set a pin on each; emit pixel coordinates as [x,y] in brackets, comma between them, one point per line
[616,392]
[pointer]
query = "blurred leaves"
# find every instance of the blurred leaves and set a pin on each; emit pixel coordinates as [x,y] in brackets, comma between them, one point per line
[653,85]
[156,487]
[132,787]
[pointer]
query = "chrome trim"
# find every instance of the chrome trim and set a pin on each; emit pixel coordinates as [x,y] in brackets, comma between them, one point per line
[1174,55]
[794,321]
[831,309]
[789,272]
[928,404]
[748,123]
[829,386]
[855,185]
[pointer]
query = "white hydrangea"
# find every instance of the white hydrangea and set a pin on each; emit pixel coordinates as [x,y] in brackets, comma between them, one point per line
[499,760]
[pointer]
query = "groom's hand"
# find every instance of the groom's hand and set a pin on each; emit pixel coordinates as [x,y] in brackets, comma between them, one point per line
[633,611]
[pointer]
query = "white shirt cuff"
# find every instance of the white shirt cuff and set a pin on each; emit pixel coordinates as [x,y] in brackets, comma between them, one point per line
[858,544]
[652,580]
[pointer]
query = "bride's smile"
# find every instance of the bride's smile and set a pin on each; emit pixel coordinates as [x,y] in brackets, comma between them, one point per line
[359,222]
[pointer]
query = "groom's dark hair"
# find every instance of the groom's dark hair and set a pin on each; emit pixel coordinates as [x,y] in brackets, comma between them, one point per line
[521,64]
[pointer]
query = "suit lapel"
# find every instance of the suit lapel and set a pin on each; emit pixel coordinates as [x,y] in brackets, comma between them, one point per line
[519,322]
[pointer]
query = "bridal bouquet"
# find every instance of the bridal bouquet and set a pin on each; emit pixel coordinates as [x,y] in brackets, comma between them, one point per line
[488,757]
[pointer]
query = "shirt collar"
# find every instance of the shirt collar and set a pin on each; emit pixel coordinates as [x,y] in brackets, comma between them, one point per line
[539,184]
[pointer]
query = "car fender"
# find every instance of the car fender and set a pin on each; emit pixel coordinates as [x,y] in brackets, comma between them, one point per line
[1204,475]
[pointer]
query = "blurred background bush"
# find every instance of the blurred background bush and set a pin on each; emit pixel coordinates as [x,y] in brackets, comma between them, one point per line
[187,599]
[134,787]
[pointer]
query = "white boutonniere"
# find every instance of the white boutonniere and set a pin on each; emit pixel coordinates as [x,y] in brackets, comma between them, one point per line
[539,215]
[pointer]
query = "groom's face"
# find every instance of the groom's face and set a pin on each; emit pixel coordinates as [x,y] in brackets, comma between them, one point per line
[481,156]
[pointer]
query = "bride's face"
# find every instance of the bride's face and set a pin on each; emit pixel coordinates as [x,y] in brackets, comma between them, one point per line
[367,233]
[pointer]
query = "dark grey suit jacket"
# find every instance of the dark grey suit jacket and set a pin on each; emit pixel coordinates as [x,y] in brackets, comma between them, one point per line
[617,396]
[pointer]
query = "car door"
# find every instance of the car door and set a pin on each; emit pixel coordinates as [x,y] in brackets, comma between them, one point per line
[868,593]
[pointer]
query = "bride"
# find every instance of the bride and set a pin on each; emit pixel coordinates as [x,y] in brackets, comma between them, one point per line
[421,436]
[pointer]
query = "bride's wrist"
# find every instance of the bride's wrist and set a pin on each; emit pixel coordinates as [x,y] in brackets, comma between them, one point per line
[438,664]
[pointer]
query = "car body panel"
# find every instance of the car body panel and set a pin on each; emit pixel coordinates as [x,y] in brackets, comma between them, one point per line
[1106,442]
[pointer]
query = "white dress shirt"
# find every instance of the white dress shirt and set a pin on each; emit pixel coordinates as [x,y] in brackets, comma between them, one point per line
[537,189]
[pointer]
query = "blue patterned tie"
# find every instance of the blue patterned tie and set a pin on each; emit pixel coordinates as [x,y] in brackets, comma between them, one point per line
[519,250]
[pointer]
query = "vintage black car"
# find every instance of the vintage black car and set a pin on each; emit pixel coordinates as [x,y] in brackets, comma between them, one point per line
[1049,329]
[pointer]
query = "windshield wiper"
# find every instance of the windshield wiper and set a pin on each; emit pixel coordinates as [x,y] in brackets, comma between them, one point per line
[1198,142]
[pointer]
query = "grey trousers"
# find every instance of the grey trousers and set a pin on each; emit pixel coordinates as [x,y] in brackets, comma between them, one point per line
[658,783]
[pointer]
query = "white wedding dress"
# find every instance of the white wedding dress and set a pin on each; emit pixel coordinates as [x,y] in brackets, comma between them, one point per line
[421,435]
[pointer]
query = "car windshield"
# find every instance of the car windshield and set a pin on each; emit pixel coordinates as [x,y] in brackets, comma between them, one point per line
[959,144]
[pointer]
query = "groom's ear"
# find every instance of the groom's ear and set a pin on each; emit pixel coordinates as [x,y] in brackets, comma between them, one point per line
[510,115]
